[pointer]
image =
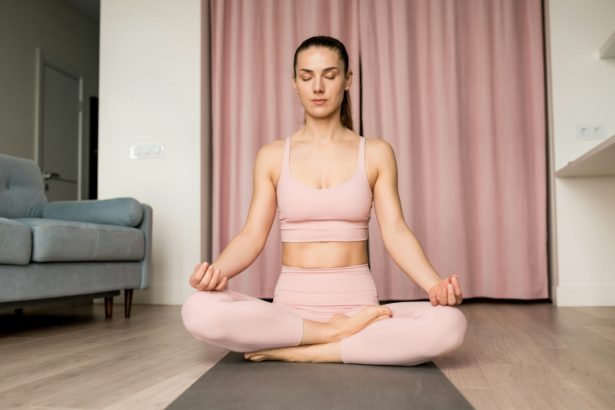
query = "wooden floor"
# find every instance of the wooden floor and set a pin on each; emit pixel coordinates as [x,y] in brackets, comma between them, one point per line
[515,356]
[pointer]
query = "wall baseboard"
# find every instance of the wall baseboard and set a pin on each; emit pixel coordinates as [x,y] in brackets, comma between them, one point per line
[156,295]
[564,295]
[579,295]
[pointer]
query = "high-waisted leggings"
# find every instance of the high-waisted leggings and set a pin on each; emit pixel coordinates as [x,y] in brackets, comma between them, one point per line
[415,333]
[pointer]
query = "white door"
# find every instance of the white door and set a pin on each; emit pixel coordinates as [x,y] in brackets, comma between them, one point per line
[59,93]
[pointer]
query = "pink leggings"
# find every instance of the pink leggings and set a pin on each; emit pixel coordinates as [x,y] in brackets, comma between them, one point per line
[416,333]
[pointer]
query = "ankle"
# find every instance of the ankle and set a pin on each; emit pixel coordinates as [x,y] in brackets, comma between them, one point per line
[329,333]
[318,332]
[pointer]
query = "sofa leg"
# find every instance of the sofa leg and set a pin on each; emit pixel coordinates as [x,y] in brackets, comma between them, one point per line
[127,302]
[108,306]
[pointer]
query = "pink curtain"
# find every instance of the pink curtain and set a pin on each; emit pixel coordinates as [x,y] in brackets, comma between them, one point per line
[456,87]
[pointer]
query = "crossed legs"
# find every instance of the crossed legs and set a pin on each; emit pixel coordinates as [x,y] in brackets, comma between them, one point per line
[415,332]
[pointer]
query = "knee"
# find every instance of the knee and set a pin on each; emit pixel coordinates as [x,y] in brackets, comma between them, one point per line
[453,325]
[200,316]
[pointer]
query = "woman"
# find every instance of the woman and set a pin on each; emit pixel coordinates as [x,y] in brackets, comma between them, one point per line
[324,179]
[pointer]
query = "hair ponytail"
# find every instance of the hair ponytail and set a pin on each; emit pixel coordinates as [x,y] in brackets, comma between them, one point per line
[346,112]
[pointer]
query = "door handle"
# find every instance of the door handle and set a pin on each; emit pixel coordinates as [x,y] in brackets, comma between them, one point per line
[56,177]
[50,175]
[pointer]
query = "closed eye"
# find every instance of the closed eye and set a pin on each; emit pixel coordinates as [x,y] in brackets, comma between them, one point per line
[328,78]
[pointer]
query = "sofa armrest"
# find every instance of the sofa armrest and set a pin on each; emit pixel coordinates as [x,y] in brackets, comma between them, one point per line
[116,211]
[146,263]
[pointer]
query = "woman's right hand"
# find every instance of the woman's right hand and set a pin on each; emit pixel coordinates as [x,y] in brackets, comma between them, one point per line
[207,277]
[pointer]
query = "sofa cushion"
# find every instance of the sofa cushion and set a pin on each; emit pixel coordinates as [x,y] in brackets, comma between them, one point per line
[15,242]
[22,193]
[65,241]
[115,211]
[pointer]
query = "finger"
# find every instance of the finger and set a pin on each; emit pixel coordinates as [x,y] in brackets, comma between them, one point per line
[458,291]
[451,295]
[432,299]
[436,297]
[213,282]
[198,273]
[443,296]
[456,285]
[222,283]
[218,280]
[205,281]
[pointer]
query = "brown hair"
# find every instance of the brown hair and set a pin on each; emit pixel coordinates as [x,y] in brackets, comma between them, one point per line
[334,44]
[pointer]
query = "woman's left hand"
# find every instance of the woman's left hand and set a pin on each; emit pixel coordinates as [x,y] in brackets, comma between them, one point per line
[447,292]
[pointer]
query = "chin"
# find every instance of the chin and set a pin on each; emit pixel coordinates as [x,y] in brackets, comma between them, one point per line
[321,113]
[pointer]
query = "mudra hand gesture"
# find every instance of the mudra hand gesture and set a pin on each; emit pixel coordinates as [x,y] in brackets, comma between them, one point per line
[207,277]
[447,292]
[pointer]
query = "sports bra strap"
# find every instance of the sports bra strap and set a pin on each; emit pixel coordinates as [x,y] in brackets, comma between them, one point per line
[362,154]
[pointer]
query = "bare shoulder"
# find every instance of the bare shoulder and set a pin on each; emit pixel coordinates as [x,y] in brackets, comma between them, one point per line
[271,149]
[269,159]
[378,151]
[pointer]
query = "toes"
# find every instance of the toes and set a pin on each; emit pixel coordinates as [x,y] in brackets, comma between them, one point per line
[381,317]
[385,311]
[253,357]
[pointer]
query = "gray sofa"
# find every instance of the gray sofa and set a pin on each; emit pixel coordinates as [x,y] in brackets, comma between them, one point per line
[57,251]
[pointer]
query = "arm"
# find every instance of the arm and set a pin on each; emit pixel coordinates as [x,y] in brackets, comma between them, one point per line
[399,241]
[244,248]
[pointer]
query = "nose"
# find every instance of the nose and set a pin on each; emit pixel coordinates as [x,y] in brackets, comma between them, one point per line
[318,84]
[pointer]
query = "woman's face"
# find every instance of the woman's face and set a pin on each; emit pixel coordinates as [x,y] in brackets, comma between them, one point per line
[320,81]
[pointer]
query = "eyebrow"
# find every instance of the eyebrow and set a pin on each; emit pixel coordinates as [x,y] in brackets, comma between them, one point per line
[326,69]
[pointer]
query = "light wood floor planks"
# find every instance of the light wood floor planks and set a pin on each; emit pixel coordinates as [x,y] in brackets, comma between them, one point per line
[515,356]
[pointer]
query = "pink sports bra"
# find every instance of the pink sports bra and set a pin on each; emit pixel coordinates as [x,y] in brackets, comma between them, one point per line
[337,213]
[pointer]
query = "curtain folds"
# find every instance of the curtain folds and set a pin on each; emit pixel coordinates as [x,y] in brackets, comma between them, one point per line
[456,87]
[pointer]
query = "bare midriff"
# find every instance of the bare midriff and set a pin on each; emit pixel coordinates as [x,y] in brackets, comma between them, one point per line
[324,254]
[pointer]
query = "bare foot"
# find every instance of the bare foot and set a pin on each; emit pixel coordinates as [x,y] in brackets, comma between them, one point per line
[344,326]
[285,354]
[326,352]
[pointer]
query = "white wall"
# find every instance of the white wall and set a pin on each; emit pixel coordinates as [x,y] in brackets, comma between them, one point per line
[150,92]
[582,91]
[59,31]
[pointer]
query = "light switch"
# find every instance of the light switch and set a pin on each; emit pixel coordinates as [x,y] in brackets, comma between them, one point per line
[147,151]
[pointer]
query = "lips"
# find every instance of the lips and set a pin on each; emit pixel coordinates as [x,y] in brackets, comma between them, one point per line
[319,101]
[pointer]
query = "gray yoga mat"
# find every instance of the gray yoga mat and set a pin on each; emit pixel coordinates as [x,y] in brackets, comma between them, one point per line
[234,383]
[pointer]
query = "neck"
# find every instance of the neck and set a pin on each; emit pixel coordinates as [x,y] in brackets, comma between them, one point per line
[323,130]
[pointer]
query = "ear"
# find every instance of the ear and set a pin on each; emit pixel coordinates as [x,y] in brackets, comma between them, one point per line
[294,84]
[348,80]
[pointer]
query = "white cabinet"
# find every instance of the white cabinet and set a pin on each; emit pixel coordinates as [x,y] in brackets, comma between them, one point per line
[608,49]
[599,161]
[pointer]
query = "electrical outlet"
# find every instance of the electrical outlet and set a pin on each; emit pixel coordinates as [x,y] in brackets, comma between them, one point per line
[147,151]
[598,131]
[590,132]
